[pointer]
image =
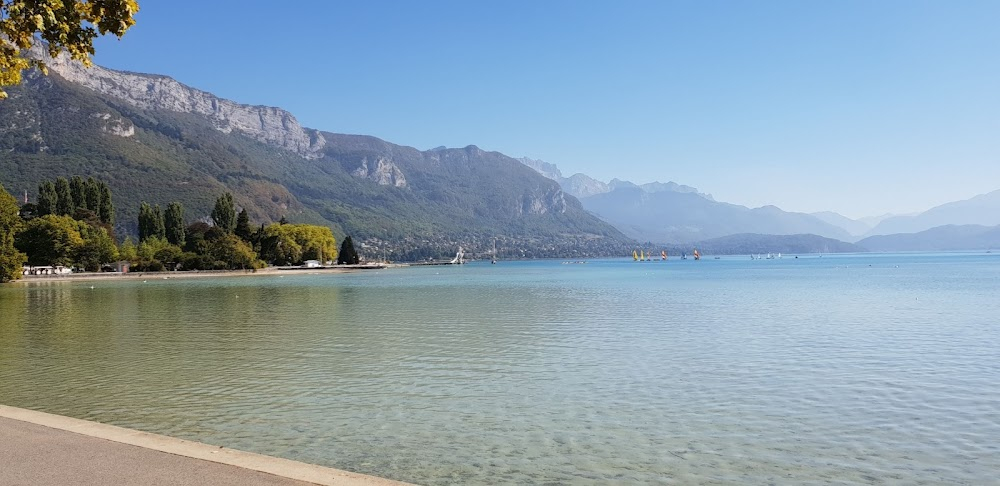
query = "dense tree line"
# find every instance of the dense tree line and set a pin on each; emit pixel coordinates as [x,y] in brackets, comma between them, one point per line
[228,243]
[63,229]
[71,225]
[64,197]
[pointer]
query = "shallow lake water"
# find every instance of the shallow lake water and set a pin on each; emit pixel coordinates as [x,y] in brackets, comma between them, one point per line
[832,369]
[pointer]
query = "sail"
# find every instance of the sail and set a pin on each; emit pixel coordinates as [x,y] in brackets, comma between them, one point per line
[697,256]
[663,255]
[642,256]
[635,256]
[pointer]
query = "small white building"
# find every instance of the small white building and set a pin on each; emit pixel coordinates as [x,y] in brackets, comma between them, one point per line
[312,264]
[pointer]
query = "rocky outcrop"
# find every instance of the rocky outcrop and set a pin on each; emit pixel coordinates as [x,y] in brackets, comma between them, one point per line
[269,125]
[116,126]
[382,171]
[551,201]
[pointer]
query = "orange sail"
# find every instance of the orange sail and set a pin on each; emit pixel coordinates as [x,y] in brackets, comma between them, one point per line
[697,256]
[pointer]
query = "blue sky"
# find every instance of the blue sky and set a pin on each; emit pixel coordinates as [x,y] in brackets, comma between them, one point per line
[858,107]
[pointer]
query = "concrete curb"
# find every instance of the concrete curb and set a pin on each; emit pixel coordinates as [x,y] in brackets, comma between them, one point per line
[247,460]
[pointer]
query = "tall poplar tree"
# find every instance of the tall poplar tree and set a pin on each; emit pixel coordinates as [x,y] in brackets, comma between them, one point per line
[64,198]
[159,228]
[78,189]
[146,222]
[93,195]
[47,198]
[243,226]
[106,211]
[174,222]
[224,214]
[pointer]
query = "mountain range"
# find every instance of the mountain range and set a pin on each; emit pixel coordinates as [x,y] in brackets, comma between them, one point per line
[154,139]
[675,213]
[941,238]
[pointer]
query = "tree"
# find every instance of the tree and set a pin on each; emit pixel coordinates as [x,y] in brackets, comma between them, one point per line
[145,221]
[159,249]
[285,244]
[78,190]
[174,223]
[232,253]
[243,226]
[64,25]
[348,255]
[151,223]
[11,259]
[93,195]
[47,198]
[50,240]
[64,198]
[224,214]
[106,210]
[127,250]
[98,248]
[159,227]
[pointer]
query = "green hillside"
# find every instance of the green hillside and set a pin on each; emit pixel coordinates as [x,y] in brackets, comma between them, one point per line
[50,127]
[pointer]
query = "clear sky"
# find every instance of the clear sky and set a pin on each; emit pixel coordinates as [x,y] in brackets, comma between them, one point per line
[861,107]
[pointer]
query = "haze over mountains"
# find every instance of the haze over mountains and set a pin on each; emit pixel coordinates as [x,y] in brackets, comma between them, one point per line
[156,140]
[675,213]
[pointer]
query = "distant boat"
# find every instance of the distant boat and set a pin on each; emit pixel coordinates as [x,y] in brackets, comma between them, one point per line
[494,261]
[684,256]
[663,255]
[635,256]
[697,256]
[642,256]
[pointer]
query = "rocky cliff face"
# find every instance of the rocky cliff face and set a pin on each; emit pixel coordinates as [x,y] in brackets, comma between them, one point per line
[269,125]
[382,171]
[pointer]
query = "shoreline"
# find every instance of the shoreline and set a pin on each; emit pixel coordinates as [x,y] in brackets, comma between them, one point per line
[269,271]
[92,452]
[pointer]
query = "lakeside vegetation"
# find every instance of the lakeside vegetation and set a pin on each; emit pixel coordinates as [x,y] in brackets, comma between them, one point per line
[72,226]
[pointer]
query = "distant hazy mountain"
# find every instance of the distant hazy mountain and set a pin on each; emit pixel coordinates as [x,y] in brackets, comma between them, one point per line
[761,244]
[873,221]
[582,185]
[544,168]
[853,226]
[983,209]
[941,238]
[685,217]
[671,212]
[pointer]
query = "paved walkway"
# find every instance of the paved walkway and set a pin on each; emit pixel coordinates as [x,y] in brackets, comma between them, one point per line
[41,449]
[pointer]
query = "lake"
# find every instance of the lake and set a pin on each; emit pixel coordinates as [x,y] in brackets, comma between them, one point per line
[832,369]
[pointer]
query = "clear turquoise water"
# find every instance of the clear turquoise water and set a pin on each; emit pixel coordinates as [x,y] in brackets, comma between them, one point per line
[840,369]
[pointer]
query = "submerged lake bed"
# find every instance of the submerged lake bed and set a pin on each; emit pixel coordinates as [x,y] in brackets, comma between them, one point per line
[840,368]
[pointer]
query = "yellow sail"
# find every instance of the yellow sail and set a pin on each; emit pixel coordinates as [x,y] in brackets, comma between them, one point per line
[641,255]
[635,256]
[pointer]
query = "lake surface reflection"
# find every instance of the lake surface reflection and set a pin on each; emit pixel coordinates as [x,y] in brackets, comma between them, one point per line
[848,368]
